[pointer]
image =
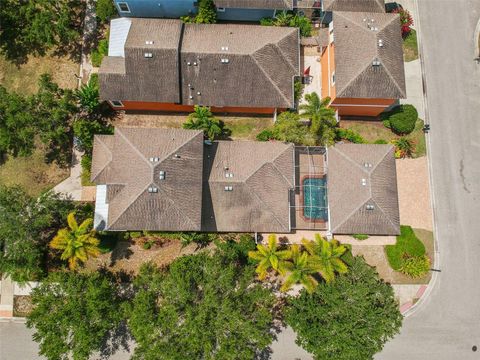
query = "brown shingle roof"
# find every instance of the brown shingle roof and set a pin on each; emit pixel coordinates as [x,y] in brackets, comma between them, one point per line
[349,167]
[371,6]
[357,47]
[261,64]
[262,176]
[123,162]
[255,4]
[144,79]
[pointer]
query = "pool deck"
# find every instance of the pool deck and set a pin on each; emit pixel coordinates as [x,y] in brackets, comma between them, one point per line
[309,164]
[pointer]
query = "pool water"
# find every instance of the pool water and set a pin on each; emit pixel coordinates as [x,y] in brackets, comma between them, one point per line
[315,198]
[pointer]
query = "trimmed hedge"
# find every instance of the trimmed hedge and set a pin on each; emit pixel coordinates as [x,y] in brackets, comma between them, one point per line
[360,236]
[401,120]
[407,246]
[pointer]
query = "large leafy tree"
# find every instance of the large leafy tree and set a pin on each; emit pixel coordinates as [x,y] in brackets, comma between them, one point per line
[17,124]
[270,257]
[74,314]
[203,307]
[35,26]
[77,242]
[54,110]
[348,319]
[327,255]
[202,119]
[322,117]
[26,226]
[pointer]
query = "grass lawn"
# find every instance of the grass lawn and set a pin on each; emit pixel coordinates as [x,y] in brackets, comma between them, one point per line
[23,79]
[410,47]
[246,128]
[407,243]
[373,130]
[31,173]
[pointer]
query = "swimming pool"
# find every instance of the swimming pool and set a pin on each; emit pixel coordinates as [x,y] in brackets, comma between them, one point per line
[315,198]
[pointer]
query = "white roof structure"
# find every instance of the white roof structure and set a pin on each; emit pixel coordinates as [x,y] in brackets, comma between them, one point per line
[119,29]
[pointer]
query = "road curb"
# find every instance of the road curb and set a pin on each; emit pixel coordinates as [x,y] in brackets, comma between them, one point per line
[476,36]
[18,320]
[409,311]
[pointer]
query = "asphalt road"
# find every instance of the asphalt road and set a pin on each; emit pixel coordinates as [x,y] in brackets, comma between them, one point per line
[447,324]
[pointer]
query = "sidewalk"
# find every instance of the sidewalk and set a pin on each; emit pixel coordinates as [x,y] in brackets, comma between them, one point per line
[72,186]
[6,297]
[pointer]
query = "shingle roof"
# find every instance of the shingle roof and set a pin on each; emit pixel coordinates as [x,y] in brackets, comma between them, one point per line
[262,62]
[255,4]
[349,167]
[123,162]
[356,49]
[259,71]
[144,79]
[262,176]
[377,6]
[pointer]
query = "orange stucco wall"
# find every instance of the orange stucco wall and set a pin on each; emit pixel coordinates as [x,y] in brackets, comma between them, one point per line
[328,67]
[154,106]
[361,107]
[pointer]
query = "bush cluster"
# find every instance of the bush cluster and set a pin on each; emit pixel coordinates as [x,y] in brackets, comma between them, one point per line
[350,135]
[401,119]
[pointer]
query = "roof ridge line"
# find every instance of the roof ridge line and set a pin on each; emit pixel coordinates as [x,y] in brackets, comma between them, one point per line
[133,146]
[266,74]
[383,212]
[109,152]
[129,205]
[258,197]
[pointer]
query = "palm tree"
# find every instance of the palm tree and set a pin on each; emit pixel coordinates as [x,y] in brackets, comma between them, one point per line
[78,242]
[283,19]
[269,257]
[88,96]
[300,270]
[202,119]
[326,255]
[322,117]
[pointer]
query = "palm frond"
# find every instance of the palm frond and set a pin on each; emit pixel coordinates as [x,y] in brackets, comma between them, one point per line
[72,222]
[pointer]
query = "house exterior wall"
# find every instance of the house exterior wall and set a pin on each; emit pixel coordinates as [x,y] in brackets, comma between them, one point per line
[327,62]
[361,107]
[155,106]
[177,8]
[156,8]
[244,14]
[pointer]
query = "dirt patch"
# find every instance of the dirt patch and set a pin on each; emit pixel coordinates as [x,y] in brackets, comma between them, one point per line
[22,305]
[376,256]
[24,78]
[31,172]
[128,256]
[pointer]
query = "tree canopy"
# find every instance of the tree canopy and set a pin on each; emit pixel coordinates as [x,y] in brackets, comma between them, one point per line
[289,128]
[322,117]
[348,319]
[36,26]
[26,226]
[74,314]
[203,307]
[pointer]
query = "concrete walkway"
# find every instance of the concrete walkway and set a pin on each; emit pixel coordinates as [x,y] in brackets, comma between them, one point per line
[72,186]
[6,297]
[413,82]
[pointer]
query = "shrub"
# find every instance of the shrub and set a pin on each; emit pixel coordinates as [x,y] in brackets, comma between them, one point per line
[406,21]
[135,234]
[265,135]
[85,129]
[360,236]
[98,53]
[350,135]
[380,141]
[105,10]
[290,19]
[407,245]
[402,119]
[86,164]
[297,90]
[404,147]
[415,266]
[207,14]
